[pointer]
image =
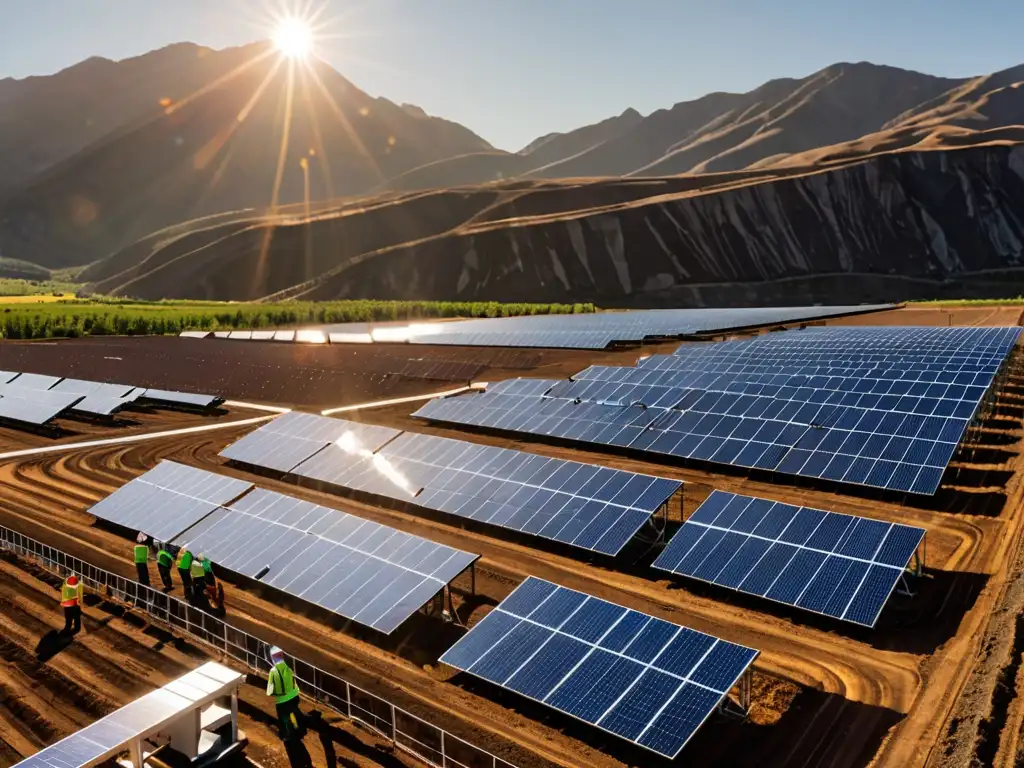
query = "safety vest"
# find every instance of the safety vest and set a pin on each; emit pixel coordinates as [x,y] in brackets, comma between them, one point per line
[70,595]
[285,687]
[141,553]
[196,570]
[207,567]
[184,559]
[163,557]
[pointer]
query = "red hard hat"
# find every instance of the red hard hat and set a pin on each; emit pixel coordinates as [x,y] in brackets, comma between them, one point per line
[72,580]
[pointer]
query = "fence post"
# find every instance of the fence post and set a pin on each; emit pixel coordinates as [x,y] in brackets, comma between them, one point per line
[444,758]
[348,700]
[394,726]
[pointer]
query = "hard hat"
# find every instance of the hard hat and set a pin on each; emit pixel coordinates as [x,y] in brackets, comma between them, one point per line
[200,556]
[141,538]
[72,580]
[276,652]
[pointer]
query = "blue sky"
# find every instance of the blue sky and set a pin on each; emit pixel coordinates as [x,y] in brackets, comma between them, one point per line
[515,69]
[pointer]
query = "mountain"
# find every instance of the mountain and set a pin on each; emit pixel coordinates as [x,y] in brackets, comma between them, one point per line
[213,145]
[890,226]
[771,125]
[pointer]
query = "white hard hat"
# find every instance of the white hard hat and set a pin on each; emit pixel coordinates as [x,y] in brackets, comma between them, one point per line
[141,538]
[276,652]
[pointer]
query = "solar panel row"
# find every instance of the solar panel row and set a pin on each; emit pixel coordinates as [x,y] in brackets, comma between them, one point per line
[649,681]
[837,565]
[582,505]
[359,569]
[582,331]
[896,429]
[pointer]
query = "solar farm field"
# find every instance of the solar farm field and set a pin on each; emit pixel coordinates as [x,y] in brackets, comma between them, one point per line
[599,636]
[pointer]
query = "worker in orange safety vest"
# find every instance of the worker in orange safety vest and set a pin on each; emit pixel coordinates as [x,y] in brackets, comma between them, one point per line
[71,602]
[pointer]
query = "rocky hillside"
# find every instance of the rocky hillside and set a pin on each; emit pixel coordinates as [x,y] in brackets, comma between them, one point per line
[233,133]
[862,104]
[903,224]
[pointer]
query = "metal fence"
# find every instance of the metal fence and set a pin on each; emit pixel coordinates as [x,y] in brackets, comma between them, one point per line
[406,731]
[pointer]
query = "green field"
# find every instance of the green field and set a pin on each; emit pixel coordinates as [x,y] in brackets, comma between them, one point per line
[20,319]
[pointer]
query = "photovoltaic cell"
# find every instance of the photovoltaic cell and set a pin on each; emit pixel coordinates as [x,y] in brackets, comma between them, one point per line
[838,565]
[359,569]
[645,680]
[168,499]
[883,407]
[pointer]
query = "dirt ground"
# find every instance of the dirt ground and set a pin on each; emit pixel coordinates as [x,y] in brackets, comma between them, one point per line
[937,683]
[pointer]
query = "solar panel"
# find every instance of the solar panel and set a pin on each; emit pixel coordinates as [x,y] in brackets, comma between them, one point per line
[34,381]
[288,440]
[80,387]
[284,336]
[810,403]
[168,499]
[357,568]
[36,407]
[102,405]
[583,505]
[104,738]
[645,680]
[99,399]
[263,335]
[182,398]
[6,376]
[842,566]
[194,334]
[244,335]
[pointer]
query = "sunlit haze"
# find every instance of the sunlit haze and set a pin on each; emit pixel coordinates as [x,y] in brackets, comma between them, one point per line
[294,38]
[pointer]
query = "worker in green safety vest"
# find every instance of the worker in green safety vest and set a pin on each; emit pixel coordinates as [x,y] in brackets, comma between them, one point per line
[282,686]
[185,570]
[141,554]
[164,561]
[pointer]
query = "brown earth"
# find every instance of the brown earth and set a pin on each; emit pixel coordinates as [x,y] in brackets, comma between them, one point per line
[825,695]
[51,688]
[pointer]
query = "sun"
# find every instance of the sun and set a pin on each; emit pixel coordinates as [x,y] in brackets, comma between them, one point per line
[294,38]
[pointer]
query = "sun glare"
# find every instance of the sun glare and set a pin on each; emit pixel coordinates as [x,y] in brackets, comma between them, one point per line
[294,38]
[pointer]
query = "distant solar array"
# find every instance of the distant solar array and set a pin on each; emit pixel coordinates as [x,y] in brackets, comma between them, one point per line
[881,406]
[645,680]
[359,569]
[582,505]
[838,565]
[32,398]
[583,331]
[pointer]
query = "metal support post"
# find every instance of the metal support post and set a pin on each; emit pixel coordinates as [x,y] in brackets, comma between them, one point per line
[394,726]
[135,752]
[234,715]
[348,700]
[444,756]
[472,573]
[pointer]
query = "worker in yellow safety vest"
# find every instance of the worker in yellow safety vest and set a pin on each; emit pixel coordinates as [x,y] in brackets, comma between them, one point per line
[198,574]
[185,570]
[164,562]
[141,554]
[282,686]
[71,602]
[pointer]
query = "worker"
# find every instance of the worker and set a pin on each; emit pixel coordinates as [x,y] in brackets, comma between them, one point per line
[208,577]
[142,558]
[164,561]
[185,570]
[282,686]
[198,575]
[71,602]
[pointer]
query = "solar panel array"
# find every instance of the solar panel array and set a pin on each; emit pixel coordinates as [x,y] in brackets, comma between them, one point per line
[583,331]
[882,407]
[104,738]
[37,399]
[168,499]
[361,570]
[643,679]
[583,505]
[838,565]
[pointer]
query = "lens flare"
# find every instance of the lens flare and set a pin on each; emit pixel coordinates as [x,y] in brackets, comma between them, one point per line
[294,38]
